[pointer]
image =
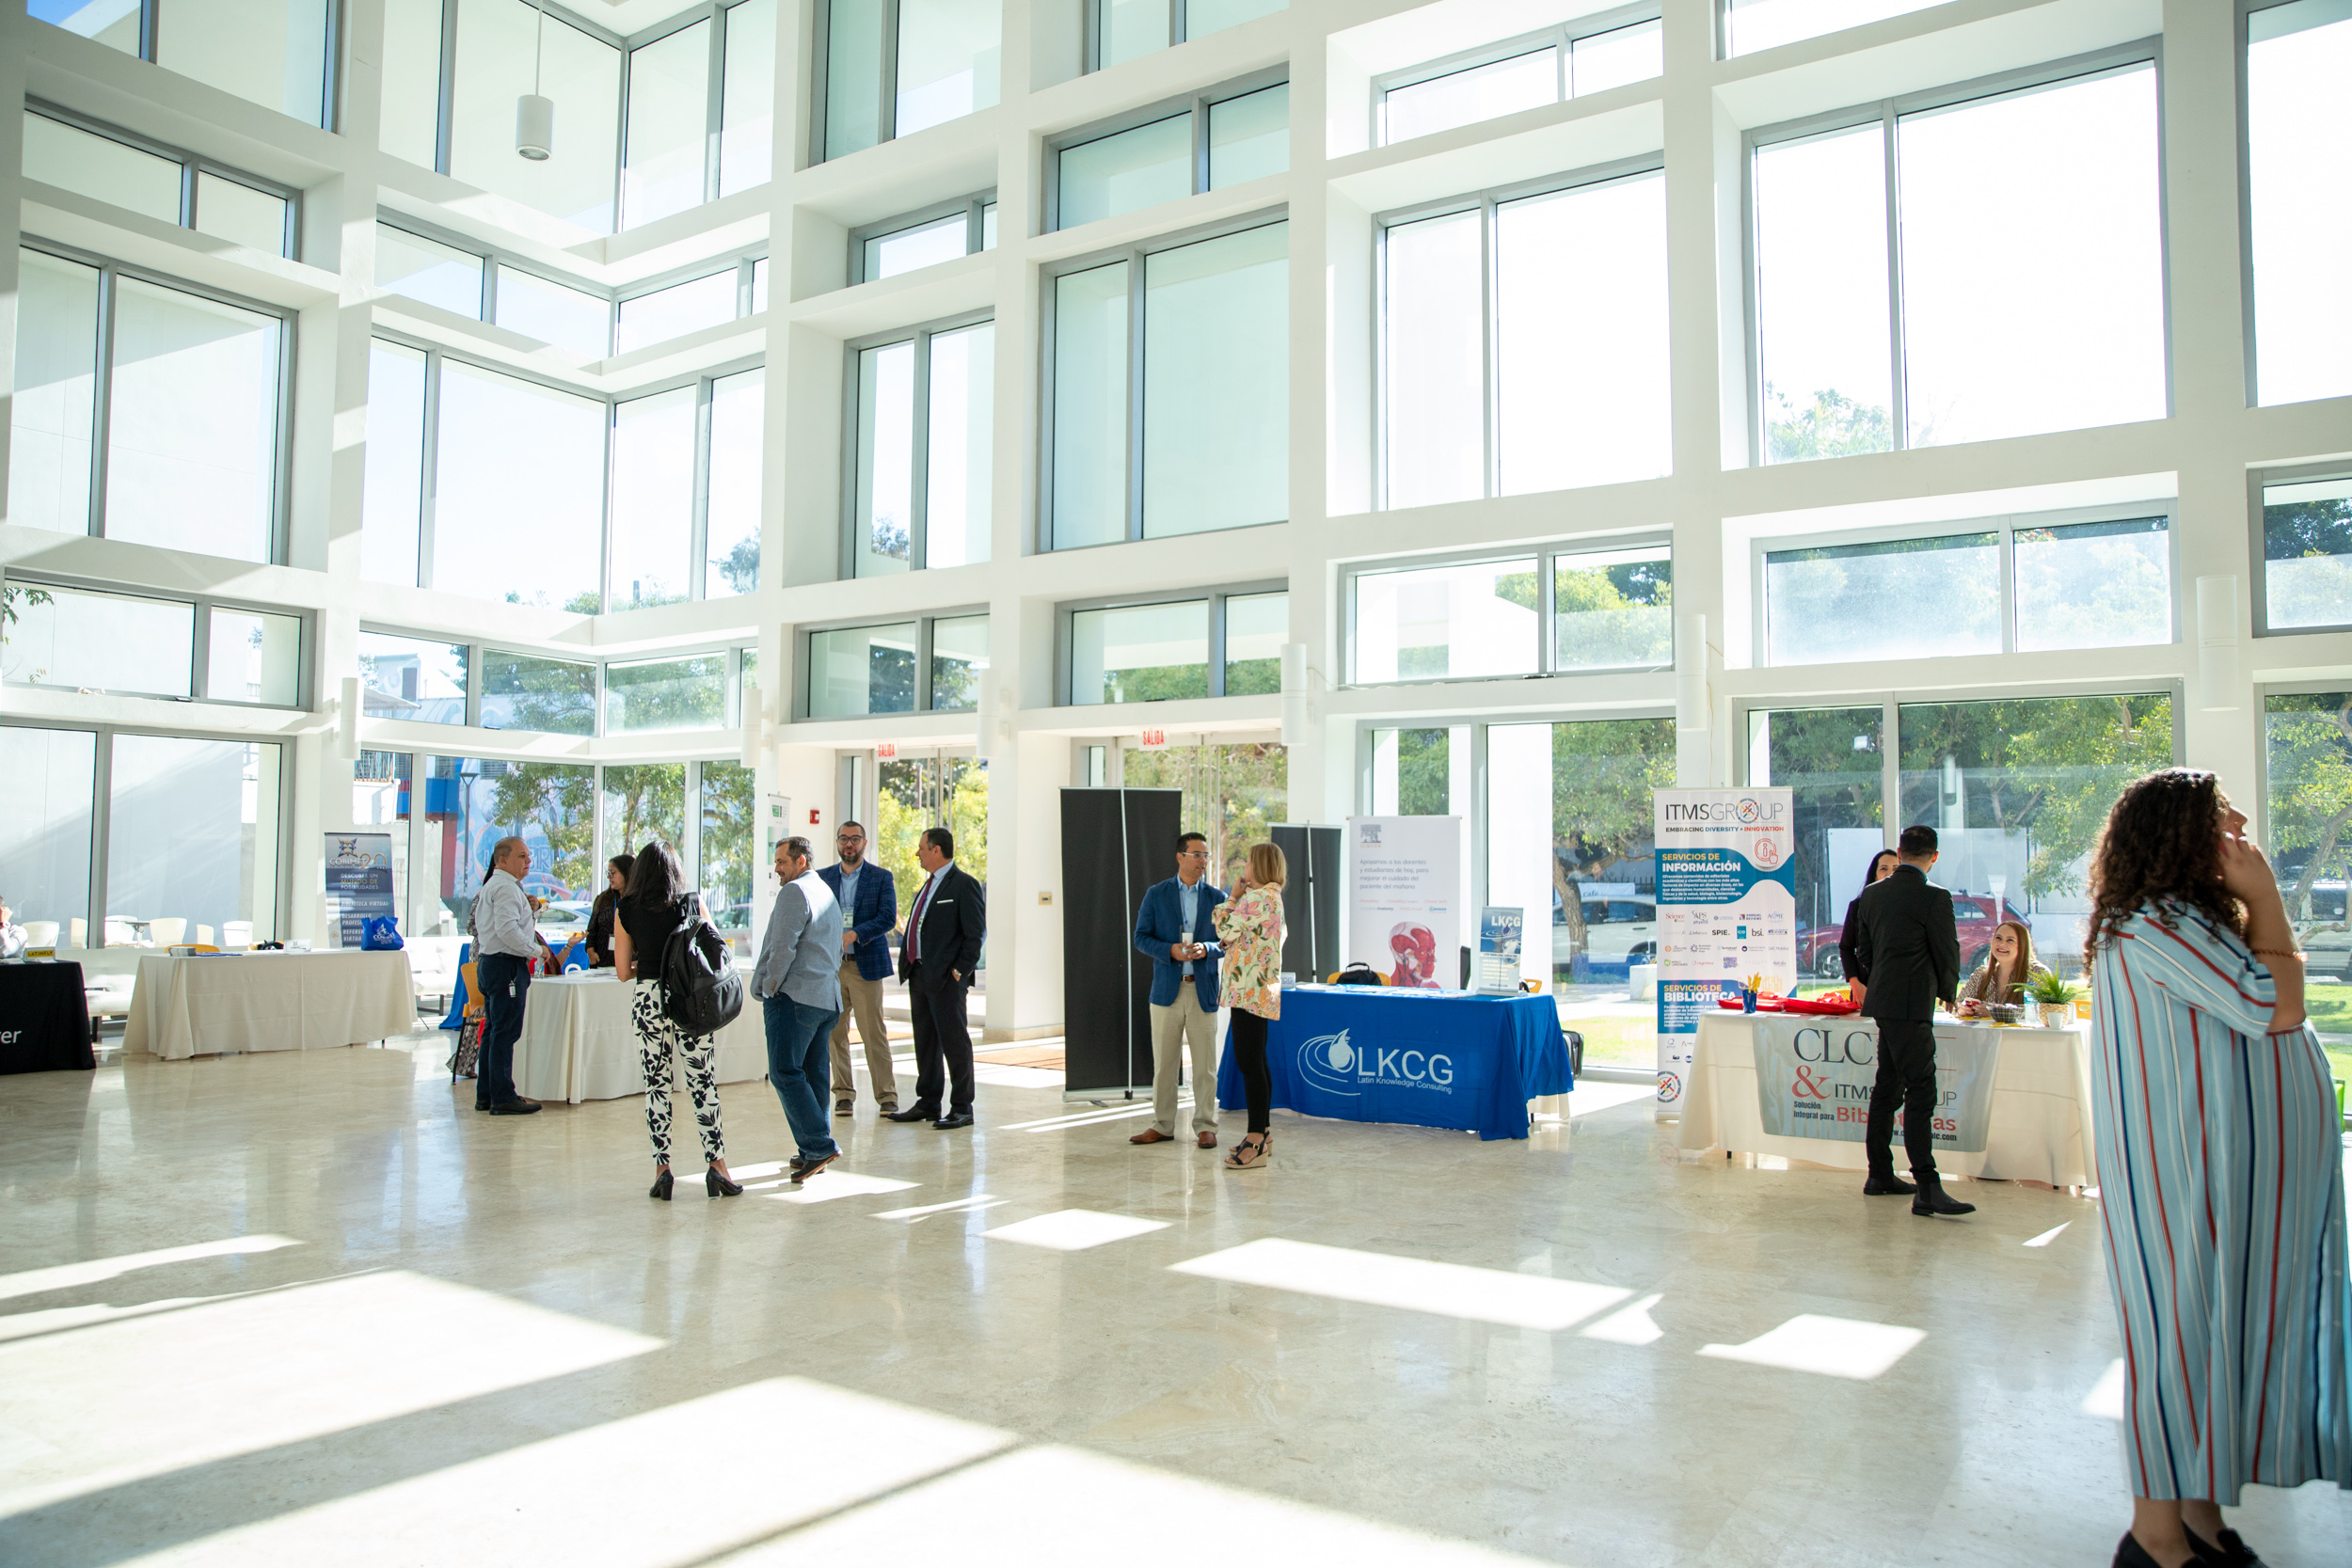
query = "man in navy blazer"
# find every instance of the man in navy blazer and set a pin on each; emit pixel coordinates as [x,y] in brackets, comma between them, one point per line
[870,911]
[1175,932]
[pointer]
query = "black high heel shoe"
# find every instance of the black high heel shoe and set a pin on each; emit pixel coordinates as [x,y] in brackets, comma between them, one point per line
[661,1185]
[719,1186]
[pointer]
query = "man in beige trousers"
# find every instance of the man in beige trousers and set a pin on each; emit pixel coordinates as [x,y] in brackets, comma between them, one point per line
[1173,930]
[869,907]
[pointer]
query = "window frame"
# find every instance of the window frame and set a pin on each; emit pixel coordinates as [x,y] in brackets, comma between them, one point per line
[429,459]
[1091,23]
[819,80]
[477,648]
[1196,103]
[191,164]
[1548,554]
[102,410]
[1886,113]
[102,801]
[1485,203]
[853,351]
[2242,64]
[1134,255]
[331,81]
[973,207]
[804,632]
[203,606]
[1560,36]
[2257,481]
[1064,643]
[2006,525]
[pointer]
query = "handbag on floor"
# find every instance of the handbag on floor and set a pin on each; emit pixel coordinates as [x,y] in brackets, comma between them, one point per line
[469,1051]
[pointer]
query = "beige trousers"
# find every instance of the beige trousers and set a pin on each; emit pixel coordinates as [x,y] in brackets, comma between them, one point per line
[1171,1029]
[863,997]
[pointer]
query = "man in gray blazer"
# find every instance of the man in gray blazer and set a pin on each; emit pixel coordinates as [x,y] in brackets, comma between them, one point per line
[1908,953]
[800,995]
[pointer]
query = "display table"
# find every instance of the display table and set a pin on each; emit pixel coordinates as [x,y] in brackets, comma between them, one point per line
[579,1042]
[2040,1130]
[211,1003]
[44,1019]
[1420,1058]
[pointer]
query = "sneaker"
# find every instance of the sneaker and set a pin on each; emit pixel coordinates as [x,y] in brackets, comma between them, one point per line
[890,1107]
[845,1108]
[806,1168]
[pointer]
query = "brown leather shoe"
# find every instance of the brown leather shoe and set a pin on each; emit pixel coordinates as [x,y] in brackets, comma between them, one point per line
[1207,1139]
[1152,1136]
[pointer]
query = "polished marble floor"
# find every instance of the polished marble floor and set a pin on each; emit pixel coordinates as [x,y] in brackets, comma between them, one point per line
[308,1309]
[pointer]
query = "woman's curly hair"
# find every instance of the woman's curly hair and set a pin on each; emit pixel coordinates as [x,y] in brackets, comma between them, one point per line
[2163,840]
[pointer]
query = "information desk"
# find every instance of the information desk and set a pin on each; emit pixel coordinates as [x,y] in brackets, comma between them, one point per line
[211,1003]
[2040,1128]
[579,1042]
[1420,1058]
[44,1018]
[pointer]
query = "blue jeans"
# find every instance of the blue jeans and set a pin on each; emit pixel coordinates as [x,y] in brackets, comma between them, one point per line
[800,1065]
[505,984]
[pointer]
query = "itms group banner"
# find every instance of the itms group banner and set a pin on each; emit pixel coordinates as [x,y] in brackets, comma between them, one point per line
[359,882]
[1813,1078]
[1405,898]
[1727,910]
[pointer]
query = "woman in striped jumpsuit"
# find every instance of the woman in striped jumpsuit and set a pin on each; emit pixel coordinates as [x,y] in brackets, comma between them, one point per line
[2220,1175]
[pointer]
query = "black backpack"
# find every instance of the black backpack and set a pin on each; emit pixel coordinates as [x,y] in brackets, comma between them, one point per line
[1358,974]
[700,991]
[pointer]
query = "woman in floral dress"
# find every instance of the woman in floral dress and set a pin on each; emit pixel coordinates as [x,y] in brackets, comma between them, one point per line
[1249,925]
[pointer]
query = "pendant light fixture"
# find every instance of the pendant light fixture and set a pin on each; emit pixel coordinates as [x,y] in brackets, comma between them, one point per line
[534,116]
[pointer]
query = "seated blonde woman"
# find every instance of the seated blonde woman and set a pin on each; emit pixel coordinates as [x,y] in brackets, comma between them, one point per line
[2008,966]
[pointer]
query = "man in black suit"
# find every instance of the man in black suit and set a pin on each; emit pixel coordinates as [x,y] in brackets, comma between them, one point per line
[945,927]
[1908,956]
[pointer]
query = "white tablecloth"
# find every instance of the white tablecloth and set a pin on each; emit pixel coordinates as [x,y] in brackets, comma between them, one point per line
[2040,1128]
[579,1042]
[267,1002]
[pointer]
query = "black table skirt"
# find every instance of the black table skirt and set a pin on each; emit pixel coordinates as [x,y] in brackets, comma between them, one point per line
[44,1019]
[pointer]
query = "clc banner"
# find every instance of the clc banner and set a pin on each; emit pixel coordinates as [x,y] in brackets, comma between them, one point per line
[1813,1078]
[1727,910]
[1405,898]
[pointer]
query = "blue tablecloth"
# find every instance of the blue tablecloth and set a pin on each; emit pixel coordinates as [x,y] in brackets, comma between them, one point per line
[1424,1059]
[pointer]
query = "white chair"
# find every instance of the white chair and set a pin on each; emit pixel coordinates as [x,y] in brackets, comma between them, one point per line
[121,933]
[40,933]
[81,932]
[168,933]
[236,935]
[204,937]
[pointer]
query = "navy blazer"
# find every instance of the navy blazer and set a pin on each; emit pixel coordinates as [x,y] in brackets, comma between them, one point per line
[873,920]
[1160,922]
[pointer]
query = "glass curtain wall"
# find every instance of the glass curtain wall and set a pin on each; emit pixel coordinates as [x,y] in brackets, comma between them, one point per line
[666,694]
[2298,159]
[2308,745]
[1571,64]
[896,67]
[144,180]
[50,778]
[1215,377]
[918,790]
[2030,255]
[274,53]
[728,846]
[738,428]
[1233,791]
[1576,336]
[925,473]
[383,786]
[669,112]
[192,833]
[551,806]
[1752,25]
[1122,30]
[1833,760]
[1247,138]
[2307,554]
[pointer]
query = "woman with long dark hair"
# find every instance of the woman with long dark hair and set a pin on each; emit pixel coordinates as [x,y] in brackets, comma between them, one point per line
[2220,1174]
[1881,864]
[600,916]
[650,912]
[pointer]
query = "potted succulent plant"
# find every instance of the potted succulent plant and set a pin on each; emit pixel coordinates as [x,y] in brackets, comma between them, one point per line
[2053,995]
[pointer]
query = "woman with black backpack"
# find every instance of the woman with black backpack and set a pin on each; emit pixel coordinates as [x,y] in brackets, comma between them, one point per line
[653,907]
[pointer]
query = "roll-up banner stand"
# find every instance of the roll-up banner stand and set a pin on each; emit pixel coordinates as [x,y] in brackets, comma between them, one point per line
[1727,910]
[1311,898]
[1405,898]
[358,883]
[1115,844]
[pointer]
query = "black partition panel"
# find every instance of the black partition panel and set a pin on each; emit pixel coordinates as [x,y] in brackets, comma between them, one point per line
[1115,844]
[1310,897]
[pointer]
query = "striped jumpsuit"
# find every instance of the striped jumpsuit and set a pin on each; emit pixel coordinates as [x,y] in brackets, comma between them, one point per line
[2221,1180]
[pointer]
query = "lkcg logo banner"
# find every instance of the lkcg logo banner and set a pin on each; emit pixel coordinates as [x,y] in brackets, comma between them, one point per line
[1334,1065]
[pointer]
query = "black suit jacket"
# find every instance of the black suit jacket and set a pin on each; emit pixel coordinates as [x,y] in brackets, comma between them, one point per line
[954,921]
[1907,945]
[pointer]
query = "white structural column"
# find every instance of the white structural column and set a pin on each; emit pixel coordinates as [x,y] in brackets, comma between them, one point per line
[1694,237]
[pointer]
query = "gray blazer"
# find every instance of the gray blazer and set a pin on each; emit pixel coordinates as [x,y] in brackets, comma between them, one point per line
[801,953]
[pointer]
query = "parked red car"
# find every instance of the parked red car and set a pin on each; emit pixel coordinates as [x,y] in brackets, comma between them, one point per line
[1817,945]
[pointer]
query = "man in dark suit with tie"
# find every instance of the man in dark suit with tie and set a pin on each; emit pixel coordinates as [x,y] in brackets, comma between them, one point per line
[1908,956]
[945,925]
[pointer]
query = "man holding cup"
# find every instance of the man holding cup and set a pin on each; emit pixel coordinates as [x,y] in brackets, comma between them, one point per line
[1168,930]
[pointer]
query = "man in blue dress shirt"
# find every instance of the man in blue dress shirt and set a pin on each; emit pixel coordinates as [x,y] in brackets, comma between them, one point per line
[1173,930]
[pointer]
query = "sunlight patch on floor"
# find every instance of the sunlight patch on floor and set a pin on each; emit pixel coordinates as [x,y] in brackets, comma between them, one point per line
[67,1276]
[2106,1398]
[1830,1347]
[1383,1279]
[1073,1230]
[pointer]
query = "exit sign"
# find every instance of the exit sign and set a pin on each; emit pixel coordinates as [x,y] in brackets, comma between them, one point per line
[886,752]
[1155,740]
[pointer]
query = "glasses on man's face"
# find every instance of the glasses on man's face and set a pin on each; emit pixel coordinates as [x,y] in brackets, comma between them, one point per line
[1192,854]
[851,838]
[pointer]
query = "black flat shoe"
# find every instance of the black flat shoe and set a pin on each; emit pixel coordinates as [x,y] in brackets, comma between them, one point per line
[2129,1553]
[2230,1551]
[917,1114]
[949,1123]
[719,1186]
[660,1188]
[803,1169]
[1887,1186]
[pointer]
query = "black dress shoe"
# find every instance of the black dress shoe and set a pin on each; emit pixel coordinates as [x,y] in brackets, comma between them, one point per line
[2230,1551]
[515,1108]
[2131,1554]
[915,1114]
[1932,1199]
[949,1123]
[1888,1186]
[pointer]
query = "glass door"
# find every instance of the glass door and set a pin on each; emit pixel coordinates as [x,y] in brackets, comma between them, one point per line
[944,787]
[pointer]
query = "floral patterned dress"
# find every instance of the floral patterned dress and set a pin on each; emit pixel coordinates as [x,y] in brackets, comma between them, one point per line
[1250,929]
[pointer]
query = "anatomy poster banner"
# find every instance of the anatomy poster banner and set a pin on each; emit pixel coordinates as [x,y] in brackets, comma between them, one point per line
[1727,910]
[1405,898]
